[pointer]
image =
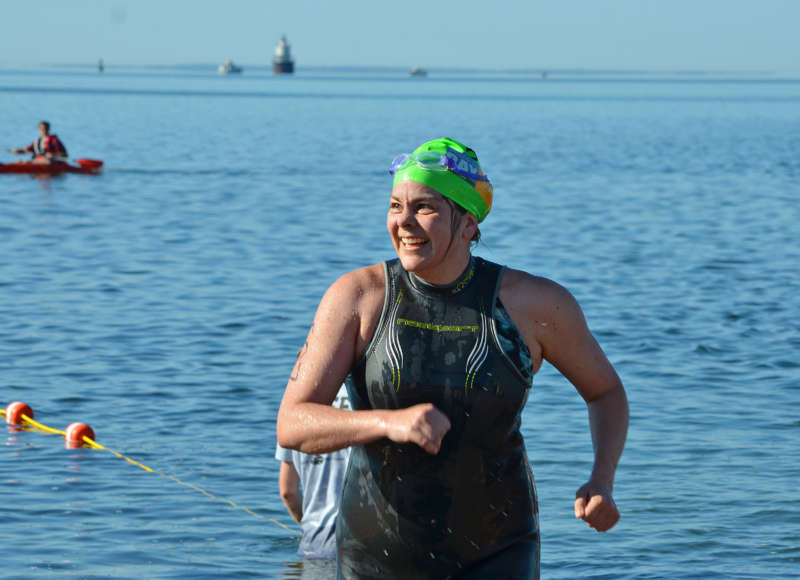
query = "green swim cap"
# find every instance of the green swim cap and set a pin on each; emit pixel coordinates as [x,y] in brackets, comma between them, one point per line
[452,169]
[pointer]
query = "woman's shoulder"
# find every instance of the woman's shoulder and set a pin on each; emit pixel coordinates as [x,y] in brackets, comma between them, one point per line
[519,280]
[356,300]
[359,289]
[366,278]
[528,291]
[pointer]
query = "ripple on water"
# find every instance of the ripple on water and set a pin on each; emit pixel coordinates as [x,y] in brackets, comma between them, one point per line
[164,303]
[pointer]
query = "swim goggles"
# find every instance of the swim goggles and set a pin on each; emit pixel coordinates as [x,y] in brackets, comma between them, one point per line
[459,163]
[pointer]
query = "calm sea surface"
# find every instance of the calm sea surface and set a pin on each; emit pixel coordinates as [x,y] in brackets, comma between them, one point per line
[163,302]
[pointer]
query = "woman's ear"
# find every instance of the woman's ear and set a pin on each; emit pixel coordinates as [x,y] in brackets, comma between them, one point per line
[470,226]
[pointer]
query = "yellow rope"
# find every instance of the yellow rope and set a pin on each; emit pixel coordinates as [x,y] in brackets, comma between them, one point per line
[45,428]
[95,445]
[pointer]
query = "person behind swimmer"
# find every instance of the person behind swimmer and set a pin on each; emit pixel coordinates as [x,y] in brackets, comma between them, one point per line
[442,347]
[310,487]
[47,148]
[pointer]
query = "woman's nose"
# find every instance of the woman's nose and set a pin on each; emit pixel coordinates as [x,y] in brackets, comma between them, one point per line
[406,216]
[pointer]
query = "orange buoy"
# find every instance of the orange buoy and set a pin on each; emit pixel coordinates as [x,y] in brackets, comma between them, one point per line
[15,411]
[75,432]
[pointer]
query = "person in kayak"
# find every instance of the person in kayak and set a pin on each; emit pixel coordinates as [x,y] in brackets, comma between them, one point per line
[442,347]
[47,148]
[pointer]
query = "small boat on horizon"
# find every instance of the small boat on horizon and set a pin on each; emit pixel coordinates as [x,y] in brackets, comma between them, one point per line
[283,63]
[418,72]
[229,68]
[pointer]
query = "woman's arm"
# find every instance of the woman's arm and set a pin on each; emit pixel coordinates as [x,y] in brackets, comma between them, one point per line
[608,422]
[557,327]
[343,326]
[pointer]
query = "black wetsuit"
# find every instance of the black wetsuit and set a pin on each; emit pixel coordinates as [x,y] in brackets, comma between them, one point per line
[470,511]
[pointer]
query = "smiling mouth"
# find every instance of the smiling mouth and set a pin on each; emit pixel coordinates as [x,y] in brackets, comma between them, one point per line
[412,241]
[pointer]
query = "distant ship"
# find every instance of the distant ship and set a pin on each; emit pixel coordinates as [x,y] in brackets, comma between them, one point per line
[229,68]
[418,72]
[283,63]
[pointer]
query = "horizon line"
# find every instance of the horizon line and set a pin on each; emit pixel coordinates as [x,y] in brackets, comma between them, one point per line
[605,70]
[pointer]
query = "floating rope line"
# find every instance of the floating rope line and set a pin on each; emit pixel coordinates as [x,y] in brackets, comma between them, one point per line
[76,435]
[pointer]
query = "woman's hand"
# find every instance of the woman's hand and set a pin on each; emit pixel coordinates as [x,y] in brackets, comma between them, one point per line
[422,424]
[595,506]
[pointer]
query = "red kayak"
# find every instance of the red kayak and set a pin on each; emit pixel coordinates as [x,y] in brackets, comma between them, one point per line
[83,166]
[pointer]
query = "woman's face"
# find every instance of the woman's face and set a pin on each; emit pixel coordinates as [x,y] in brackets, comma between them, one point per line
[430,239]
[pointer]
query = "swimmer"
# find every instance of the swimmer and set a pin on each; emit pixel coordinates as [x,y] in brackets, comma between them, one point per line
[442,347]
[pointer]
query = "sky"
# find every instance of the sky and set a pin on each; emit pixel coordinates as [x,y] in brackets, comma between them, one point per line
[718,35]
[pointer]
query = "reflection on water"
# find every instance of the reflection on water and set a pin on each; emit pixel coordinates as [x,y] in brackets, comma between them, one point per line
[310,569]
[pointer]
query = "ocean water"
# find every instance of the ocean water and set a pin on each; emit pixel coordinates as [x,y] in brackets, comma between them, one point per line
[163,302]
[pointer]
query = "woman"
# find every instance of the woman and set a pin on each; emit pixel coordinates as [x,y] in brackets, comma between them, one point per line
[441,347]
